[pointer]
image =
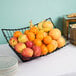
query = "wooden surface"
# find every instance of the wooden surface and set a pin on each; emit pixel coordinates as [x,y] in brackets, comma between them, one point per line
[66,23]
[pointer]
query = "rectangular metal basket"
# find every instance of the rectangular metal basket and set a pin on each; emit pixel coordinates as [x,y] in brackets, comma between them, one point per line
[8,33]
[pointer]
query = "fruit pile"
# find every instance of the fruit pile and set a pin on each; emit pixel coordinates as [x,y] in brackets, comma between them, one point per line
[37,40]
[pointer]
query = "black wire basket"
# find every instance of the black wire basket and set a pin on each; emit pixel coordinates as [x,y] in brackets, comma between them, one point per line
[8,33]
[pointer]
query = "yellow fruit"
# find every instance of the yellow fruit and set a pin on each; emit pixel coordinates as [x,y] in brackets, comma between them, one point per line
[61,42]
[48,24]
[54,42]
[37,42]
[47,40]
[41,31]
[40,25]
[31,36]
[55,33]
[22,38]
[45,34]
[50,47]
[45,25]
[44,50]
[46,29]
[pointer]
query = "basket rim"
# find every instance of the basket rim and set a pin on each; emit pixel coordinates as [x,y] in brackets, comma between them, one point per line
[16,29]
[28,26]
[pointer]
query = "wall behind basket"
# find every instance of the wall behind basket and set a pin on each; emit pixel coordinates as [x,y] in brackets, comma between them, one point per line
[18,13]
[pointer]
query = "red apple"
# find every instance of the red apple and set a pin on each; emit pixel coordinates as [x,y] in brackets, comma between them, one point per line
[13,41]
[29,44]
[27,52]
[37,51]
[22,38]
[19,47]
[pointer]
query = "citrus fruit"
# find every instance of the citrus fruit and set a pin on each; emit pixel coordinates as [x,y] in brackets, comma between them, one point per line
[54,42]
[44,50]
[40,24]
[26,32]
[50,48]
[55,33]
[61,42]
[46,29]
[31,36]
[47,39]
[40,36]
[41,31]
[45,34]
[17,34]
[38,42]
[34,29]
[48,24]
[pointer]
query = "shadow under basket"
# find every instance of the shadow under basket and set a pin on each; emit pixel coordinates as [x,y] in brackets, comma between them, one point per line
[8,33]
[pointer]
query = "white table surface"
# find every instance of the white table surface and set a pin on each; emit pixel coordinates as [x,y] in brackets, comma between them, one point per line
[59,63]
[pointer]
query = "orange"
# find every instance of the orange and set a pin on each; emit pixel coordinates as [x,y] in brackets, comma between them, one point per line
[45,34]
[44,50]
[31,36]
[61,42]
[40,24]
[37,42]
[40,31]
[40,36]
[47,24]
[46,29]
[17,34]
[34,29]
[50,48]
[55,33]
[47,39]
[54,42]
[26,32]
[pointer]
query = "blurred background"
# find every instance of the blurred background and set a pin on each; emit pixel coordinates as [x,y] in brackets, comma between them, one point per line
[18,13]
